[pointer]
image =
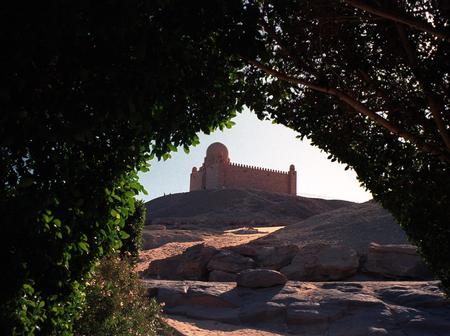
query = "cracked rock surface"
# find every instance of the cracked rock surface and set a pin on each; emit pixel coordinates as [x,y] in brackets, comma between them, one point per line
[309,308]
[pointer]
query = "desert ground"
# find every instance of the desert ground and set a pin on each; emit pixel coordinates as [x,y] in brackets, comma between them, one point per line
[322,268]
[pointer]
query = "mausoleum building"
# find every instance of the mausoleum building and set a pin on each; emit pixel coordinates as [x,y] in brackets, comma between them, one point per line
[217,172]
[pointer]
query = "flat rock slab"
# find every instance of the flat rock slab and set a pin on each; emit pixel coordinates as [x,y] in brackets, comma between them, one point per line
[186,326]
[311,308]
[260,278]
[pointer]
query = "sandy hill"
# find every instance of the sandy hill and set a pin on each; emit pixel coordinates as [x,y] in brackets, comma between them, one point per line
[236,207]
[353,226]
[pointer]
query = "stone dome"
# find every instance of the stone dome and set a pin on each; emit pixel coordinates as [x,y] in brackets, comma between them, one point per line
[217,150]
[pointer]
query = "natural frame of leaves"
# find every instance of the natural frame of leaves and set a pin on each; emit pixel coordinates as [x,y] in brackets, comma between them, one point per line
[91,90]
[368,83]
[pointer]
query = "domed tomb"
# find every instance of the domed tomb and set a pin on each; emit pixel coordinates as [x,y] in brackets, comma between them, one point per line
[217,152]
[217,172]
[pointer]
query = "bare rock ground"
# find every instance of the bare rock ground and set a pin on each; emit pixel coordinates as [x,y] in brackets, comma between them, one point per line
[242,224]
[232,207]
[305,308]
[169,245]
[360,241]
[355,226]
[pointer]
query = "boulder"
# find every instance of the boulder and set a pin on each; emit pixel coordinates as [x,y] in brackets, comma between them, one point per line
[395,261]
[163,268]
[221,276]
[271,257]
[194,262]
[248,250]
[231,262]
[191,265]
[276,257]
[322,263]
[260,278]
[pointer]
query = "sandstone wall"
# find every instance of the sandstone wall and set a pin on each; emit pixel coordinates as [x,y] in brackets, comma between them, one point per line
[214,176]
[247,177]
[196,180]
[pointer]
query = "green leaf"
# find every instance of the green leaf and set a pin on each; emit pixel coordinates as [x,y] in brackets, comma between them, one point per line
[84,246]
[173,148]
[115,214]
[47,218]
[229,124]
[123,235]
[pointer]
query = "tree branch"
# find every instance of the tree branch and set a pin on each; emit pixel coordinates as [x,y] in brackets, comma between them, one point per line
[284,49]
[430,96]
[357,106]
[364,76]
[400,18]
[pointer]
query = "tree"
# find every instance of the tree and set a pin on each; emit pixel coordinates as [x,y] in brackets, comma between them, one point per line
[90,90]
[367,82]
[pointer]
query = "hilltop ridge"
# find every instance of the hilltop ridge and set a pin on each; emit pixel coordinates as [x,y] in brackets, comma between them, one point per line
[236,207]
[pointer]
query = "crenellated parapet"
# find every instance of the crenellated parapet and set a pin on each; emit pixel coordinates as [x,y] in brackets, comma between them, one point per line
[218,172]
[258,168]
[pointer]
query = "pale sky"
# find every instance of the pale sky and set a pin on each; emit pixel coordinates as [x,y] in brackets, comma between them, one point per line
[259,143]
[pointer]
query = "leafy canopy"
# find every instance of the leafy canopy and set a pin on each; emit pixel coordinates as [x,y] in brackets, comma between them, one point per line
[89,92]
[368,82]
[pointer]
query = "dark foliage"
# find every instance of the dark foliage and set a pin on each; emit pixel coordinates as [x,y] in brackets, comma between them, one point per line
[374,94]
[134,227]
[89,91]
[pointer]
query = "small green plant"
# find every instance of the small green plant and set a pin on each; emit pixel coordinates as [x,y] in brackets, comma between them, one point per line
[116,304]
[133,228]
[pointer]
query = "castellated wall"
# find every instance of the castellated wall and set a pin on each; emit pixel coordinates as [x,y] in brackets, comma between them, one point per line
[239,176]
[217,172]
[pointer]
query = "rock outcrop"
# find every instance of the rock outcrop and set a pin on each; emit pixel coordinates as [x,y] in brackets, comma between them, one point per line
[330,308]
[260,278]
[322,263]
[354,226]
[395,261]
[231,262]
[191,265]
[313,262]
[221,276]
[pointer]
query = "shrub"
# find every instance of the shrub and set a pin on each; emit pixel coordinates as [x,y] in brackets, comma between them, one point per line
[116,304]
[134,226]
